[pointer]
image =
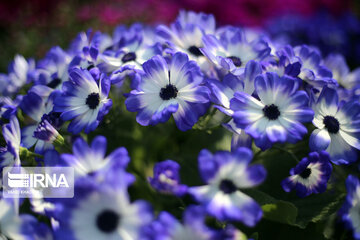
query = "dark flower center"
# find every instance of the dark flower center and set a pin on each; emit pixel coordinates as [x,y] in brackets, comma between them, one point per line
[170,91]
[306,173]
[130,56]
[331,124]
[54,83]
[93,100]
[227,186]
[91,66]
[271,112]
[195,51]
[107,221]
[237,61]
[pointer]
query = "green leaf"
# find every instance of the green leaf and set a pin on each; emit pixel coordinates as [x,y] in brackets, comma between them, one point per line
[275,210]
[281,211]
[318,207]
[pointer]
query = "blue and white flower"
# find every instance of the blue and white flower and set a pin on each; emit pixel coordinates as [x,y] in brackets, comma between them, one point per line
[52,71]
[102,213]
[350,211]
[284,63]
[226,174]
[46,131]
[310,175]
[167,227]
[231,51]
[223,91]
[18,75]
[91,160]
[185,35]
[39,109]
[13,225]
[348,80]
[8,107]
[12,135]
[338,127]
[127,58]
[86,48]
[169,89]
[167,178]
[277,115]
[312,71]
[84,100]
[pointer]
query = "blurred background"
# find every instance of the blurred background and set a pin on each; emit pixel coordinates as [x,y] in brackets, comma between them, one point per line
[31,28]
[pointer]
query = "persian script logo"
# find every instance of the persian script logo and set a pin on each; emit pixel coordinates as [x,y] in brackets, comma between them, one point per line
[50,182]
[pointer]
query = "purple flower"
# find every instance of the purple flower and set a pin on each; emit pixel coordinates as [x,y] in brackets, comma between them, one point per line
[185,35]
[169,89]
[52,71]
[350,211]
[231,51]
[38,105]
[125,57]
[46,132]
[167,179]
[168,227]
[100,212]
[18,76]
[277,115]
[13,225]
[91,160]
[84,100]
[312,71]
[12,135]
[338,127]
[226,174]
[310,175]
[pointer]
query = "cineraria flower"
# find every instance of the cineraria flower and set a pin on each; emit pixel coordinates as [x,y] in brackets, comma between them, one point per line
[39,108]
[312,72]
[186,33]
[205,21]
[13,225]
[8,107]
[17,77]
[102,213]
[239,137]
[348,81]
[310,175]
[167,227]
[277,116]
[350,211]
[89,160]
[86,47]
[232,51]
[90,44]
[226,173]
[223,92]
[46,132]
[84,100]
[169,89]
[12,135]
[127,57]
[53,69]
[285,63]
[338,127]
[166,178]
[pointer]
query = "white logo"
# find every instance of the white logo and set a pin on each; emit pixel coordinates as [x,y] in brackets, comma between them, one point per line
[51,181]
[20,180]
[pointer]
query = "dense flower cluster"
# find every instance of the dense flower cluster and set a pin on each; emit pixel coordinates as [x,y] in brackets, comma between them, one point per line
[275,96]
